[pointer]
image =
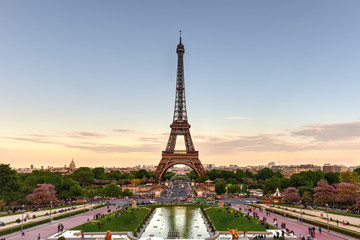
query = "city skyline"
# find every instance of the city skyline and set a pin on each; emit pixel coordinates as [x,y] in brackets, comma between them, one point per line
[95,82]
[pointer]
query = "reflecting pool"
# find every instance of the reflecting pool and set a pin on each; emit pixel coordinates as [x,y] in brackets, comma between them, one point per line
[187,221]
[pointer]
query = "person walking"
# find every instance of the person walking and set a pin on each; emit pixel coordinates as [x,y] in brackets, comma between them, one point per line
[319,230]
[22,235]
[39,236]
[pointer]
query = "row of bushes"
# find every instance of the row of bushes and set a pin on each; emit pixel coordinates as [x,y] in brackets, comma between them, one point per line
[211,225]
[318,223]
[33,224]
[143,223]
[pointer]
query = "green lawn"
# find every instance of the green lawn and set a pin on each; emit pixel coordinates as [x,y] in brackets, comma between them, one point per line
[124,222]
[224,221]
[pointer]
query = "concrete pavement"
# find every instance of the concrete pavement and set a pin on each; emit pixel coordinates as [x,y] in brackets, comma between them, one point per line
[314,218]
[298,228]
[47,230]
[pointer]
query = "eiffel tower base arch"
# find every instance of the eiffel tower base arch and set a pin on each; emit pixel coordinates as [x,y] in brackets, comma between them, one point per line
[169,160]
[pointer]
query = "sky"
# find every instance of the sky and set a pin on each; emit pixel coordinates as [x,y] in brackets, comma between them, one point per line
[94,81]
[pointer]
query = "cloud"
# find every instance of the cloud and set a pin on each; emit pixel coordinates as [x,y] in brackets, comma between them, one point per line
[238,118]
[257,143]
[330,132]
[123,130]
[34,140]
[111,148]
[85,135]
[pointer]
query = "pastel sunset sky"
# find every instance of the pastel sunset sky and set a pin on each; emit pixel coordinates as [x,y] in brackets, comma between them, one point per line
[94,81]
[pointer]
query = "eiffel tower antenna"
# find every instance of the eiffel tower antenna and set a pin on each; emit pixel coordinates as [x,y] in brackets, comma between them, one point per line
[179,127]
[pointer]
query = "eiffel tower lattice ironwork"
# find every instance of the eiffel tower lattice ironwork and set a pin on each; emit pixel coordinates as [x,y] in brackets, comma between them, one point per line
[180,126]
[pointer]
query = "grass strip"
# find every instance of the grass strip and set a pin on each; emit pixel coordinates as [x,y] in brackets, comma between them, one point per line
[225,219]
[127,221]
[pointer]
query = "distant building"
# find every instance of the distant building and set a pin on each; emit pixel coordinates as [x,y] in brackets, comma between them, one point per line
[72,166]
[271,164]
[209,166]
[333,168]
[287,171]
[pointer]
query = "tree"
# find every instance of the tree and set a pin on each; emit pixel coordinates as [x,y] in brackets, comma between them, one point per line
[43,194]
[115,175]
[332,177]
[349,177]
[53,178]
[220,188]
[83,175]
[233,189]
[9,184]
[192,175]
[324,193]
[297,180]
[346,193]
[291,195]
[76,191]
[306,197]
[68,183]
[127,192]
[271,184]
[2,205]
[357,170]
[151,180]
[265,173]
[99,173]
[135,181]
[112,190]
[202,178]
[358,201]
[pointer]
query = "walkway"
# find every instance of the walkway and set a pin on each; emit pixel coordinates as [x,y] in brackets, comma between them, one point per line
[41,216]
[315,218]
[298,228]
[47,230]
[341,218]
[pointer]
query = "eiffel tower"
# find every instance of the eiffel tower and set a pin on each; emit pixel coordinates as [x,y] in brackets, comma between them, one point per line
[180,126]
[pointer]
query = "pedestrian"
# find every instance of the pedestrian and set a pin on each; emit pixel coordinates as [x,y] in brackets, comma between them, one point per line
[22,235]
[39,236]
[320,230]
[82,234]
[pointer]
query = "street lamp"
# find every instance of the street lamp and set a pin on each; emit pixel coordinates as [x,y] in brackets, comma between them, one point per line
[50,210]
[84,205]
[327,216]
[22,218]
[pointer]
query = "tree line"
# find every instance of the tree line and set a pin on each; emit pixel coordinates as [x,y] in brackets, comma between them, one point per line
[309,186]
[41,187]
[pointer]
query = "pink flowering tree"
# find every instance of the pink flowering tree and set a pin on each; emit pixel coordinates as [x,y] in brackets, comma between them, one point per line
[291,195]
[323,192]
[43,194]
[346,193]
[358,201]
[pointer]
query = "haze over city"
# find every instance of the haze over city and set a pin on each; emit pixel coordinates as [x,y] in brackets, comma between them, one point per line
[95,81]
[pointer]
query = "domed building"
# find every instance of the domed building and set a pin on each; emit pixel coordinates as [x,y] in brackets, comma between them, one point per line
[72,166]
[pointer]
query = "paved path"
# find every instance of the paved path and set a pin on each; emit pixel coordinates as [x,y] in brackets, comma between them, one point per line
[42,217]
[298,228]
[13,217]
[47,230]
[315,218]
[341,218]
